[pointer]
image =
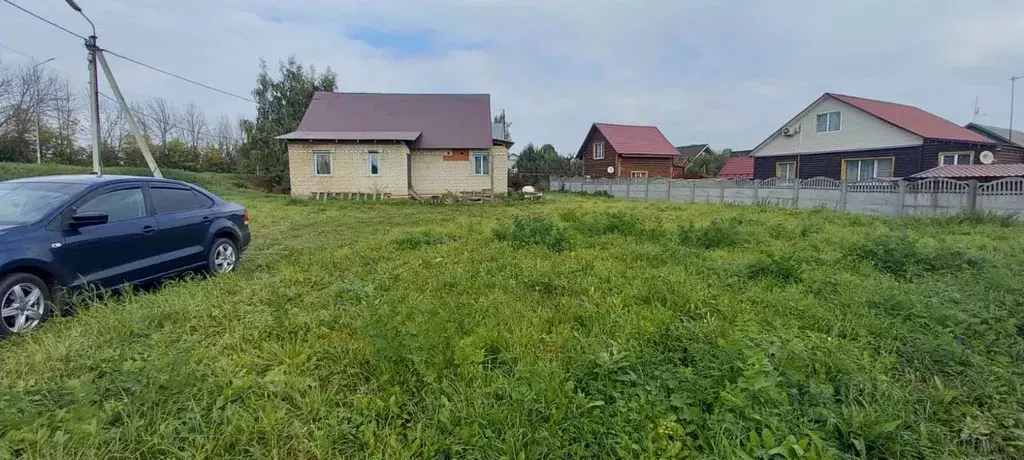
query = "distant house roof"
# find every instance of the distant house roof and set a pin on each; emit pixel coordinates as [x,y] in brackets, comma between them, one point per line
[444,121]
[738,168]
[629,140]
[993,171]
[998,134]
[741,153]
[913,119]
[691,151]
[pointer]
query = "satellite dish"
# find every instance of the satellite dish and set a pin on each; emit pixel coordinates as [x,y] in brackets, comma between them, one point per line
[611,170]
[987,158]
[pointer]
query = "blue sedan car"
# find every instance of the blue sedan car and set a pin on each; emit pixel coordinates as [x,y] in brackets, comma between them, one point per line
[69,232]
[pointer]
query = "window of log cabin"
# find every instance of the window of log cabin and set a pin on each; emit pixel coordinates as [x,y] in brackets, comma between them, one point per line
[639,176]
[598,150]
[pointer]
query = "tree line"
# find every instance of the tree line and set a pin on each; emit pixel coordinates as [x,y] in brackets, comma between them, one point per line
[42,113]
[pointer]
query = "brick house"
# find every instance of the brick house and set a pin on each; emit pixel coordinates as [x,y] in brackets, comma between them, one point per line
[397,144]
[614,151]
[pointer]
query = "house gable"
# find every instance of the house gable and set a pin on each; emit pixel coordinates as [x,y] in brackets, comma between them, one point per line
[598,167]
[859,130]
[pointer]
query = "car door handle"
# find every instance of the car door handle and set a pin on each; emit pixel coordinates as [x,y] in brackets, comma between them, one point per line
[207,219]
[148,230]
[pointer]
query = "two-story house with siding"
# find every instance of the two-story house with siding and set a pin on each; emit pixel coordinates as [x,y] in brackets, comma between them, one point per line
[626,151]
[852,138]
[397,145]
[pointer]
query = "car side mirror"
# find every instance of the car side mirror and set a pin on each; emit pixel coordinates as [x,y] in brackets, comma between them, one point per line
[88,219]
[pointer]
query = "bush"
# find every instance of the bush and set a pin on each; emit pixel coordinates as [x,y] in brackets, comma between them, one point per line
[598,194]
[904,256]
[533,231]
[717,235]
[421,239]
[607,223]
[781,269]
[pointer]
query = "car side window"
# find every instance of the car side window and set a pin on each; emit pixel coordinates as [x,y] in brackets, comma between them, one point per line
[118,205]
[170,200]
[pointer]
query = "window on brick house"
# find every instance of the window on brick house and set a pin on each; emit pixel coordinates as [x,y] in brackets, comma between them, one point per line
[374,163]
[481,164]
[321,163]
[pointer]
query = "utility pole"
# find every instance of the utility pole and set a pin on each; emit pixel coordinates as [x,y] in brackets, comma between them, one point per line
[39,148]
[94,90]
[139,137]
[96,54]
[1013,83]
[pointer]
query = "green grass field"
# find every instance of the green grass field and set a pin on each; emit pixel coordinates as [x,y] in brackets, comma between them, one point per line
[576,327]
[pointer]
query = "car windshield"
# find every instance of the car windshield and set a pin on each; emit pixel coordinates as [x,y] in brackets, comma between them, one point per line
[27,202]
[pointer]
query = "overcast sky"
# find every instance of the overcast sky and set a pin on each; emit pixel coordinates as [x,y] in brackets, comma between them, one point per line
[724,72]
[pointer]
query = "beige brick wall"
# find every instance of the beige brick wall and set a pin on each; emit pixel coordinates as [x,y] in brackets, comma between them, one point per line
[350,171]
[431,174]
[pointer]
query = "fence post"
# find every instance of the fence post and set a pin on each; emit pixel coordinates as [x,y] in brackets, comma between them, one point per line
[843,189]
[972,196]
[721,191]
[902,201]
[668,192]
[757,189]
[796,192]
[693,191]
[629,189]
[647,189]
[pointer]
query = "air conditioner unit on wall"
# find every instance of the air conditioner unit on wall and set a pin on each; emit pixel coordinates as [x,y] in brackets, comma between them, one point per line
[790,130]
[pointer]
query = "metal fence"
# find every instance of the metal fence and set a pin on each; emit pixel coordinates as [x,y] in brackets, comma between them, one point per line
[929,197]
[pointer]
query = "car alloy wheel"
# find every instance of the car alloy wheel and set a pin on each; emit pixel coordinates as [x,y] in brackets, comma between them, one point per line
[23,307]
[224,258]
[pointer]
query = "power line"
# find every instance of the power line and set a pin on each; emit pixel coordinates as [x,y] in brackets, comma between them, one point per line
[2,45]
[43,19]
[171,74]
[153,68]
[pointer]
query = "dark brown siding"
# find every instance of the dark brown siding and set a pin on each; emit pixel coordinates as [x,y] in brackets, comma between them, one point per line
[931,149]
[1009,154]
[909,160]
[655,166]
[599,168]
[831,164]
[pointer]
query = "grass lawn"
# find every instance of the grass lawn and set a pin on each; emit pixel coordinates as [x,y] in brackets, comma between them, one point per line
[575,327]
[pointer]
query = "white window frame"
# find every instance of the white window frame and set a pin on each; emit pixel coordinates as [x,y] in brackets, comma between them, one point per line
[778,167]
[956,156]
[316,163]
[482,156]
[828,122]
[369,162]
[638,176]
[596,150]
[874,171]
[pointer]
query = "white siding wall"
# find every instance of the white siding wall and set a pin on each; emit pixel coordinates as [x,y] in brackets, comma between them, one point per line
[860,131]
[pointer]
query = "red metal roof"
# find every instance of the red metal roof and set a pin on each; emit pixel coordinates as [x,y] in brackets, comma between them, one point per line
[738,168]
[637,140]
[915,120]
[974,171]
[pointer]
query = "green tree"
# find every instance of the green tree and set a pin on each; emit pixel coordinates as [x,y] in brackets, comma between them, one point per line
[280,105]
[707,165]
[533,164]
